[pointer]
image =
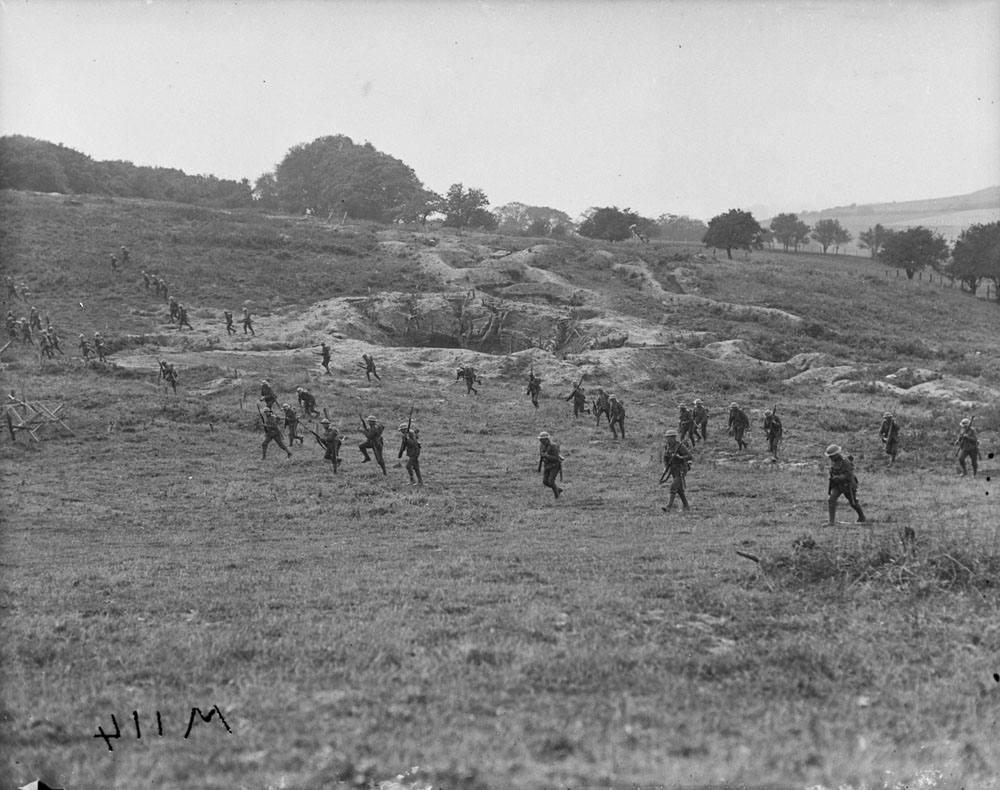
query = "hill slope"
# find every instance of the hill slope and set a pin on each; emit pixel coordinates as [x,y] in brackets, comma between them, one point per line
[477,632]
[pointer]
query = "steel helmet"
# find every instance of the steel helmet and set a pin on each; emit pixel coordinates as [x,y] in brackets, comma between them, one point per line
[832,450]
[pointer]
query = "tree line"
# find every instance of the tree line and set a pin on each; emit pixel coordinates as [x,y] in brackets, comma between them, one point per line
[333,176]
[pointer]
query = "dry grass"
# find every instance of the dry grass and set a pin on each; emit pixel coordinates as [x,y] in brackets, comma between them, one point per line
[352,628]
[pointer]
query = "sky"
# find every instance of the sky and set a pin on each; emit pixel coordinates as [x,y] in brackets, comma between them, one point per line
[682,106]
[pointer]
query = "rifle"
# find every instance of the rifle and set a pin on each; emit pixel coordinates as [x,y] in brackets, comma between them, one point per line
[319,440]
[364,425]
[667,472]
[409,421]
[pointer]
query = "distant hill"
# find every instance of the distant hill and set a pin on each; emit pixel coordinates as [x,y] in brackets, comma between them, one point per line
[948,216]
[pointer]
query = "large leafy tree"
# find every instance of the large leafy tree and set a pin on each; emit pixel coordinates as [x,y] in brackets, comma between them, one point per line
[614,224]
[873,239]
[914,249]
[736,228]
[829,232]
[681,228]
[467,208]
[976,256]
[333,175]
[529,220]
[790,231]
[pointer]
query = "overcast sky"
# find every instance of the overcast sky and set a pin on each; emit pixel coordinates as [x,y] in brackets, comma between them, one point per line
[664,107]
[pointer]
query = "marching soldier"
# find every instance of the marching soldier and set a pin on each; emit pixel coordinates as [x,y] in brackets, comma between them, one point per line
[773,432]
[99,347]
[168,374]
[738,423]
[534,388]
[685,425]
[46,345]
[602,405]
[325,353]
[549,462]
[469,374]
[53,337]
[145,279]
[164,290]
[676,463]
[272,433]
[114,264]
[842,483]
[331,443]
[291,423]
[34,319]
[84,347]
[125,255]
[24,329]
[182,317]
[889,434]
[372,429]
[370,367]
[411,446]
[247,322]
[579,398]
[267,394]
[700,415]
[968,447]
[617,415]
[307,401]
[172,301]
[230,329]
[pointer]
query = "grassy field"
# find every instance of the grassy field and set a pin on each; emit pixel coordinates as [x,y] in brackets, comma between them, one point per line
[354,631]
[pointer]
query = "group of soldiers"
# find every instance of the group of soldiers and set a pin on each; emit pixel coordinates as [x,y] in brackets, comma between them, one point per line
[693,428]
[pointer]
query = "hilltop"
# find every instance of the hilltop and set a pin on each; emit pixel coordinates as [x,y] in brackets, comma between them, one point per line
[478,633]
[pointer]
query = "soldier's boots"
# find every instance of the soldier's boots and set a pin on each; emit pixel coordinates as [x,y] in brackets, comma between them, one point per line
[861,514]
[832,507]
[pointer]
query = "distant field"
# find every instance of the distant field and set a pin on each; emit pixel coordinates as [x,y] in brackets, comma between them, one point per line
[354,631]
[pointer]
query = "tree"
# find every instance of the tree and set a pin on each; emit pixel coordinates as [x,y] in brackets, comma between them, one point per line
[265,191]
[873,239]
[466,208]
[332,175]
[841,237]
[914,249]
[681,228]
[518,218]
[828,232]
[736,228]
[790,231]
[977,256]
[614,224]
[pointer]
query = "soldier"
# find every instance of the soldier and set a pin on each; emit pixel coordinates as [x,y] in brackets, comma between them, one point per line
[325,353]
[411,445]
[247,322]
[601,405]
[169,375]
[534,388]
[773,432]
[11,287]
[331,443]
[370,367]
[157,284]
[114,264]
[617,415]
[579,398]
[46,344]
[24,330]
[267,394]
[164,290]
[372,429]
[738,423]
[968,447]
[25,293]
[230,329]
[173,307]
[145,279]
[842,482]
[125,255]
[889,434]
[99,347]
[182,317]
[676,463]
[53,337]
[685,424]
[271,434]
[469,374]
[35,319]
[307,401]
[700,415]
[549,462]
[11,323]
[292,424]
[84,347]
